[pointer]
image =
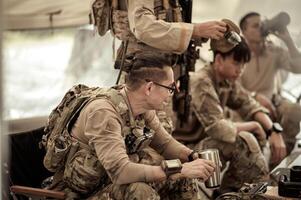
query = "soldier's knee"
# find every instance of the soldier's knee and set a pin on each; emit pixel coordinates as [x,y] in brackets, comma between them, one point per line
[250,140]
[141,191]
[250,154]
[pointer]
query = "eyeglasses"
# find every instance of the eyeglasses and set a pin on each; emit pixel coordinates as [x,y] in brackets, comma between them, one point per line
[171,89]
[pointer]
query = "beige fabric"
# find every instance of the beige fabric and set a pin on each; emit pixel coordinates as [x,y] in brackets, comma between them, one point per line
[210,96]
[260,72]
[170,37]
[35,14]
[100,125]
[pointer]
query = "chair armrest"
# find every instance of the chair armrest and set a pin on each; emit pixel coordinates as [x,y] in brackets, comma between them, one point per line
[37,192]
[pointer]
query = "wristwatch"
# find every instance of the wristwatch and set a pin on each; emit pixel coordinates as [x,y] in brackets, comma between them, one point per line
[276,127]
[171,166]
[192,156]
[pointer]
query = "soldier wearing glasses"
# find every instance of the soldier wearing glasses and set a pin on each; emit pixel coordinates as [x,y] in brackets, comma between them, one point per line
[114,130]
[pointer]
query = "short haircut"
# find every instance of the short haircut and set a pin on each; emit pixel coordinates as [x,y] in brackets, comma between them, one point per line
[241,52]
[243,20]
[147,66]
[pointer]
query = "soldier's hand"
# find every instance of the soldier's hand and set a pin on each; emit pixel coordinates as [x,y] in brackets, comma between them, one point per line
[211,29]
[198,168]
[258,131]
[284,35]
[278,147]
[253,127]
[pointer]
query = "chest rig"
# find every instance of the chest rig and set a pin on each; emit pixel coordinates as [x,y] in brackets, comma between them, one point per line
[136,134]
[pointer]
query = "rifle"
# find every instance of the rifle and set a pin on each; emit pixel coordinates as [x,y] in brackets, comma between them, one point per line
[186,61]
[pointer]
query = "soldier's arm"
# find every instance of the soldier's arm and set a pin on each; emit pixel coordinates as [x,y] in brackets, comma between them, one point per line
[241,100]
[249,108]
[163,142]
[210,114]
[103,130]
[288,60]
[278,148]
[174,37]
[169,36]
[285,36]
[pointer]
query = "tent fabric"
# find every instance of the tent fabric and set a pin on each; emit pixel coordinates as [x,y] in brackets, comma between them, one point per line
[37,14]
[34,14]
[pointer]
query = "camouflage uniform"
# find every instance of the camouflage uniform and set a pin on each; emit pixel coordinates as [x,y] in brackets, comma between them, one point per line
[260,75]
[103,154]
[167,190]
[209,96]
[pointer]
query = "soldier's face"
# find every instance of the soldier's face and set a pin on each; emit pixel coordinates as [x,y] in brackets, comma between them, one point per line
[228,68]
[160,96]
[252,29]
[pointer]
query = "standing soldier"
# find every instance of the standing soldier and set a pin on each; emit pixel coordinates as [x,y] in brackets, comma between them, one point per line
[214,87]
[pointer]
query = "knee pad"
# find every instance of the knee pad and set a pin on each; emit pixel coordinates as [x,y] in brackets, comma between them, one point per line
[250,140]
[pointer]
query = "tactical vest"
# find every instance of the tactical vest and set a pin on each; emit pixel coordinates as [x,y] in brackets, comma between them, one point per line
[82,171]
[112,15]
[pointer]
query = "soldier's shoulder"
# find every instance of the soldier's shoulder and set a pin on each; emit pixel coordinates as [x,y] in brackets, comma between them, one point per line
[202,79]
[100,104]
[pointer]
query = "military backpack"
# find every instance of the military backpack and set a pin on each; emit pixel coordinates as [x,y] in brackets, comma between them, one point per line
[56,139]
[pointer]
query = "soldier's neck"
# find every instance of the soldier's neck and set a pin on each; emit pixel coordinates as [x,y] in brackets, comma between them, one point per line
[218,77]
[136,102]
[256,47]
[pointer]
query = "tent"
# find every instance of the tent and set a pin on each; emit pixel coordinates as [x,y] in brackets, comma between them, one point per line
[37,14]
[44,15]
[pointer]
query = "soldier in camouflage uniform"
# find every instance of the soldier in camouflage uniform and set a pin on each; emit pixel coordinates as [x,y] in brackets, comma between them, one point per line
[214,87]
[261,76]
[114,129]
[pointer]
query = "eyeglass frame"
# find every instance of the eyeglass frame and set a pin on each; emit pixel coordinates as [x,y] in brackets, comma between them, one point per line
[171,89]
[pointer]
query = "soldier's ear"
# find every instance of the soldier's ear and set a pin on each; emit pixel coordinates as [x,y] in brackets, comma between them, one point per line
[148,87]
[219,59]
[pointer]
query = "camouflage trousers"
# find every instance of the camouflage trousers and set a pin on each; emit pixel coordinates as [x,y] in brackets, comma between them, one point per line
[166,190]
[289,116]
[246,162]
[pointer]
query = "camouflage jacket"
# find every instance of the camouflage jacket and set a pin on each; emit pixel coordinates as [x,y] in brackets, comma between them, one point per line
[209,98]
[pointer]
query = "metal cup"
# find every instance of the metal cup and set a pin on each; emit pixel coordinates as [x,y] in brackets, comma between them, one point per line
[212,154]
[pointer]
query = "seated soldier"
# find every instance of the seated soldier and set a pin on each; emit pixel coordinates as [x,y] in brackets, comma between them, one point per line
[114,130]
[212,88]
[268,60]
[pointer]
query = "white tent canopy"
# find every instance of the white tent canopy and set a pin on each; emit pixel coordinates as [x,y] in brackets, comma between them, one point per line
[34,14]
[37,14]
